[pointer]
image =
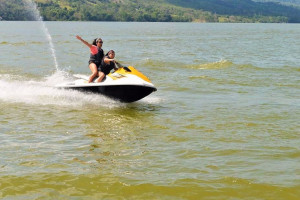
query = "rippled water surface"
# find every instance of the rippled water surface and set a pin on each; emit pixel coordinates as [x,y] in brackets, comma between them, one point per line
[224,123]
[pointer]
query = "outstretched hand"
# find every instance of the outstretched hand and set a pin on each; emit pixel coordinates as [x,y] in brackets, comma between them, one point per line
[83,41]
[78,37]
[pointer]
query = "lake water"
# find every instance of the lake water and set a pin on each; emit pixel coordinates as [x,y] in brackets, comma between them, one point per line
[224,123]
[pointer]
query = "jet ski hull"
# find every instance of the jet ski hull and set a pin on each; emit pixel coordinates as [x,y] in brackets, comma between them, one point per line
[123,93]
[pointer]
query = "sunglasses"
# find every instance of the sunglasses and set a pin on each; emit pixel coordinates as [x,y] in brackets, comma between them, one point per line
[100,42]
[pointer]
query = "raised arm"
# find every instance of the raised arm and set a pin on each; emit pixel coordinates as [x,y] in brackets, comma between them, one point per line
[83,41]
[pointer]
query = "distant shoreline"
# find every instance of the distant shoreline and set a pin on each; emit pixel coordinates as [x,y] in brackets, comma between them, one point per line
[196,22]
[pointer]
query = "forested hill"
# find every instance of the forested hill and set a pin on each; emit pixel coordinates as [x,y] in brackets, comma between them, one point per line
[284,2]
[246,8]
[154,10]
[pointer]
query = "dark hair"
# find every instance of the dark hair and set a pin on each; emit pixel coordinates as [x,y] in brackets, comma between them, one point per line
[96,40]
[110,51]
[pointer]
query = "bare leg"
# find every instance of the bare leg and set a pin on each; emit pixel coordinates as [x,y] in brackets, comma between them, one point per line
[94,70]
[101,76]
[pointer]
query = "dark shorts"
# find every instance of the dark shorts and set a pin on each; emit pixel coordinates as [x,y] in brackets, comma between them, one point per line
[97,64]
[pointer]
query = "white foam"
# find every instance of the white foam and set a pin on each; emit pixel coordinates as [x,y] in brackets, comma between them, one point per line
[152,100]
[44,93]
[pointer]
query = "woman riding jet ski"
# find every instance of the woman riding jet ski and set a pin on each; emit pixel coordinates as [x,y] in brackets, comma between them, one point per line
[125,84]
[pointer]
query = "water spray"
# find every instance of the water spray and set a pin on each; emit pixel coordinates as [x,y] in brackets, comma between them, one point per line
[37,17]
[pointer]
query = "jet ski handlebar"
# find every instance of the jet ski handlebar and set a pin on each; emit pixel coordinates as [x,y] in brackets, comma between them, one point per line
[122,66]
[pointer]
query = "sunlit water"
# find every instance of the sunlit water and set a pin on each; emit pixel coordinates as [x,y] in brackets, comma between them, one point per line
[224,123]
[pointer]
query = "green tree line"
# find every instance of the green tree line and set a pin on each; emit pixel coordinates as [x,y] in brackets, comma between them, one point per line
[152,11]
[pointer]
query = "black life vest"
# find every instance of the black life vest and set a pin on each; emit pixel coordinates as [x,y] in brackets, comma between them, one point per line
[106,68]
[97,58]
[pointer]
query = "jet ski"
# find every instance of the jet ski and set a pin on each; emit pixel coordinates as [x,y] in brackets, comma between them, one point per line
[126,84]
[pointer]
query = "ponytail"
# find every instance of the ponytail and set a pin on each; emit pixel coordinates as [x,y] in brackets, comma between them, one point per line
[95,42]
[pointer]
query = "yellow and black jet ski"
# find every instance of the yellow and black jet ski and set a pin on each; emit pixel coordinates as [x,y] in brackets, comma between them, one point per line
[126,84]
